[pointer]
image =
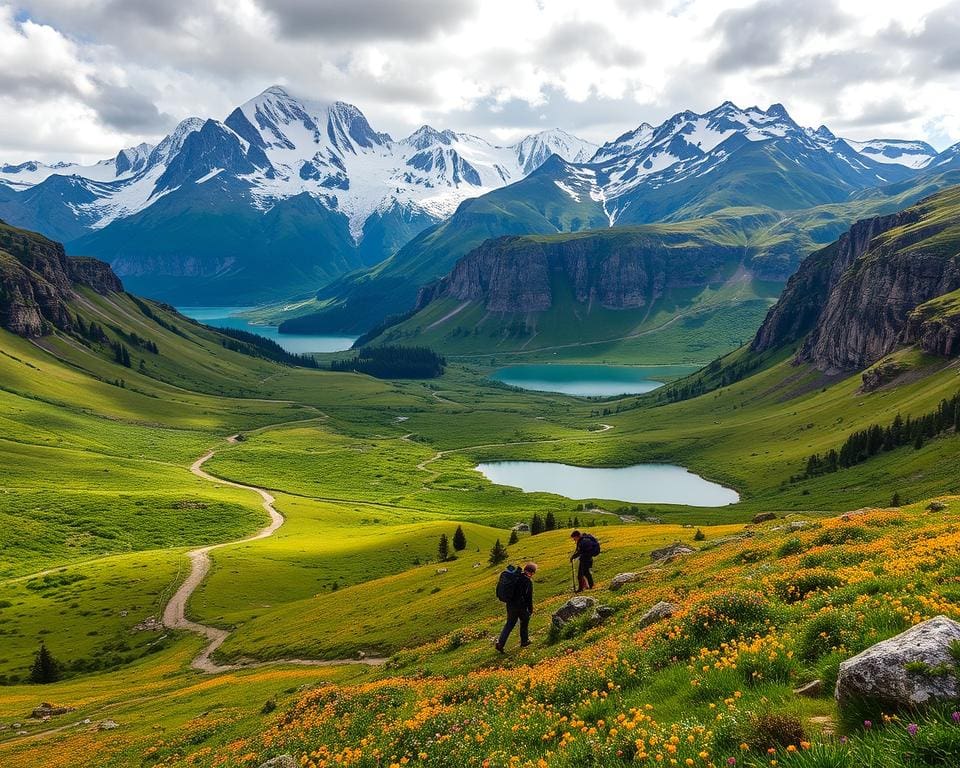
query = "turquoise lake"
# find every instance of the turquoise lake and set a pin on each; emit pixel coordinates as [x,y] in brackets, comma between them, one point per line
[225,317]
[638,484]
[590,380]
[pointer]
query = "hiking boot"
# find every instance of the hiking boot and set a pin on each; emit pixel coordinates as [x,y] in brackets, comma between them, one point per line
[524,645]
[498,647]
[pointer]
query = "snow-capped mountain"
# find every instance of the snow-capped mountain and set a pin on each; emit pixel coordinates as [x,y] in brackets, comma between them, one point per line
[911,154]
[729,161]
[290,146]
[287,191]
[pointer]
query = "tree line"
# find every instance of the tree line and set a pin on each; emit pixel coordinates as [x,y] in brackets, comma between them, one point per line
[394,362]
[865,443]
[255,345]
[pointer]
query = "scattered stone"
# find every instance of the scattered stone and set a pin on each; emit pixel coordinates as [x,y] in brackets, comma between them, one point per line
[763,517]
[575,606]
[848,516]
[811,690]
[650,519]
[521,528]
[15,726]
[123,614]
[280,761]
[880,673]
[441,571]
[478,565]
[107,725]
[47,710]
[659,612]
[605,611]
[361,655]
[672,552]
[149,624]
[22,733]
[622,579]
[936,506]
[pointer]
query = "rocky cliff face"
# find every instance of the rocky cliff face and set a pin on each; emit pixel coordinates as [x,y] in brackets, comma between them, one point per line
[853,302]
[935,326]
[615,270]
[37,281]
[803,300]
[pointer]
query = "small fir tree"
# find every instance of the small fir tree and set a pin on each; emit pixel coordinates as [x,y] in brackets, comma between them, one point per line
[45,669]
[459,539]
[536,524]
[443,548]
[699,535]
[895,501]
[498,553]
[550,522]
[513,537]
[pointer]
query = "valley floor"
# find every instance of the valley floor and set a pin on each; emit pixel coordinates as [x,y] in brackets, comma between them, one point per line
[101,519]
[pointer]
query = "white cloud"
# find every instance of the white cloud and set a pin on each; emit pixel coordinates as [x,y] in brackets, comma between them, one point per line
[81,78]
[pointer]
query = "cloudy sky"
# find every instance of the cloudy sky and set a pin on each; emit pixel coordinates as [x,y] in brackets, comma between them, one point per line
[80,79]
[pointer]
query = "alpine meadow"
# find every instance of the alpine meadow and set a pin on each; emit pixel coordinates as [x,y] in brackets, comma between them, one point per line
[547,408]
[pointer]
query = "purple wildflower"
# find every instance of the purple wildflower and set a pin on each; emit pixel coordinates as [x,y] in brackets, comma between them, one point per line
[912,729]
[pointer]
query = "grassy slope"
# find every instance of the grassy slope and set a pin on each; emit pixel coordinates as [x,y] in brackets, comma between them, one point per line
[360,513]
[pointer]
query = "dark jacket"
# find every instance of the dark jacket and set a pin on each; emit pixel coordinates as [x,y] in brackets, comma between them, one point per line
[523,595]
[580,553]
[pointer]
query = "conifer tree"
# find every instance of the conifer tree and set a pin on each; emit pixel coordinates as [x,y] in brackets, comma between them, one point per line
[498,553]
[459,539]
[45,669]
[550,522]
[536,524]
[514,538]
[443,548]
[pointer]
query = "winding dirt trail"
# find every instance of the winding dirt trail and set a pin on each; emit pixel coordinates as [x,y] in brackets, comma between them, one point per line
[174,614]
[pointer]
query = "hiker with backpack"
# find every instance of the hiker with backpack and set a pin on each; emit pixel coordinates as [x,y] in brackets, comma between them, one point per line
[515,588]
[587,548]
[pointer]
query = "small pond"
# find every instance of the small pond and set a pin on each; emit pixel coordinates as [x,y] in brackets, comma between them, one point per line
[590,380]
[226,317]
[638,484]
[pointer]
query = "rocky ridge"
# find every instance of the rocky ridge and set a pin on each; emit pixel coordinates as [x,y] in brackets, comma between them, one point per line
[37,280]
[865,295]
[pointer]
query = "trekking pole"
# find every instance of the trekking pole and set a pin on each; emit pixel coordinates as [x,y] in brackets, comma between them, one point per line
[573,575]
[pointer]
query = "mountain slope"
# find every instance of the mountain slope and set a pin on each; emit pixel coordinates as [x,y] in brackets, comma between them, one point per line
[852,302]
[354,194]
[628,291]
[689,167]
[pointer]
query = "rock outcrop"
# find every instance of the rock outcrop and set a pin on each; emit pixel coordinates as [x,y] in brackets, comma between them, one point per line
[622,579]
[912,669]
[671,553]
[574,607]
[857,300]
[37,280]
[658,612]
[626,270]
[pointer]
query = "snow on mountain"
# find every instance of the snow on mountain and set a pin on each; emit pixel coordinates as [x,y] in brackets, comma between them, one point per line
[910,154]
[533,151]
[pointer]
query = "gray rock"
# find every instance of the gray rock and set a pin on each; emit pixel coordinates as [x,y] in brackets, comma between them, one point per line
[280,761]
[811,690]
[47,710]
[659,612]
[107,725]
[936,506]
[672,552]
[575,606]
[764,517]
[880,673]
[621,579]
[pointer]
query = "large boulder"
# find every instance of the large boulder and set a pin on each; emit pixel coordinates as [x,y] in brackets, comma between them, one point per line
[672,552]
[912,669]
[622,579]
[659,612]
[574,607]
[763,517]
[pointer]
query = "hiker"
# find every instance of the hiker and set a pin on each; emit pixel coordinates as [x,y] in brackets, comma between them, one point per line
[587,548]
[515,588]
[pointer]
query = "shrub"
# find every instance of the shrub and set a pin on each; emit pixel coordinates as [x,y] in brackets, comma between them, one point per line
[801,584]
[791,546]
[825,633]
[768,730]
